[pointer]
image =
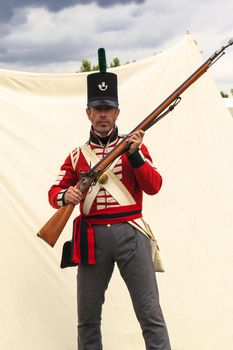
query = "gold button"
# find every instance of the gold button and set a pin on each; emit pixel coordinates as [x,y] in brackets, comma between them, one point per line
[103,178]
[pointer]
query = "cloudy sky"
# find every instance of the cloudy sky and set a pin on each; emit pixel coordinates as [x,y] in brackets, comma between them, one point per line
[54,36]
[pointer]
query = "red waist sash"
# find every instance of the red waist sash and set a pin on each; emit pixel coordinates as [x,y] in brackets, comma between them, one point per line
[83,241]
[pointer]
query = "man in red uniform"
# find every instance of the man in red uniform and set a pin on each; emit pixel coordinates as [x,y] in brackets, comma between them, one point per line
[108,229]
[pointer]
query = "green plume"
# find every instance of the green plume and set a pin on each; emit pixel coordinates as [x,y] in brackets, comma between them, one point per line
[102,60]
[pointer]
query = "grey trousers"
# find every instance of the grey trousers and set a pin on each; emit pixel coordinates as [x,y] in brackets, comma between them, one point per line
[130,249]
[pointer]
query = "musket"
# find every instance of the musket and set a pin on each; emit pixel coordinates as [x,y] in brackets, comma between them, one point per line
[51,231]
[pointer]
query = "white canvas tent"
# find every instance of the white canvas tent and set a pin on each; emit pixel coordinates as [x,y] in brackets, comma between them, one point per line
[42,118]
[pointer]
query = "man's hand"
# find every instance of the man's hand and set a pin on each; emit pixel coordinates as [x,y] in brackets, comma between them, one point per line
[73,196]
[135,141]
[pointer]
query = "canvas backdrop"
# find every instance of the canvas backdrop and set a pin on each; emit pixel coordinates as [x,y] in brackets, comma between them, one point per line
[42,118]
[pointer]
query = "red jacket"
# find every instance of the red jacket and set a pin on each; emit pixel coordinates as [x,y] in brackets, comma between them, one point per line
[136,172]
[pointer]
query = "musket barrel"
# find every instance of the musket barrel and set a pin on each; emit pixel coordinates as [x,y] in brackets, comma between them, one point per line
[109,158]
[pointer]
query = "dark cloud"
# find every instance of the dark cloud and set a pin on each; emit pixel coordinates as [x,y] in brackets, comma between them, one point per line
[25,42]
[8,8]
[42,53]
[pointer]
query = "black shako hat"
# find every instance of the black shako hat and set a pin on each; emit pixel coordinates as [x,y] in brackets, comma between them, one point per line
[102,86]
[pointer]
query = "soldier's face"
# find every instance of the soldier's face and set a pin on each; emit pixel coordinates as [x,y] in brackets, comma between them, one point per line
[102,118]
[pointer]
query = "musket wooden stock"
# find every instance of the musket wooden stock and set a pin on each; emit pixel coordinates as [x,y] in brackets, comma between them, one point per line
[51,231]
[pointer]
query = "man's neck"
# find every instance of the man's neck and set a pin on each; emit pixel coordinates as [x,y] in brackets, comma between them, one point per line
[102,135]
[103,138]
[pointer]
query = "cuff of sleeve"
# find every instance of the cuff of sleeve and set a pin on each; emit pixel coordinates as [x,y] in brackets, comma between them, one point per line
[136,159]
[60,198]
